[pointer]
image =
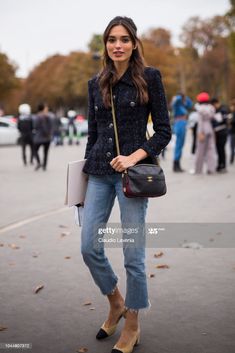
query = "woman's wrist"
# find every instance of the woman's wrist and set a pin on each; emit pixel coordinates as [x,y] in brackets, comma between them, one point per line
[138,155]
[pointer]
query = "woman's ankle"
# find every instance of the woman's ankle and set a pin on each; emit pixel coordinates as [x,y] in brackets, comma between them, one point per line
[116,299]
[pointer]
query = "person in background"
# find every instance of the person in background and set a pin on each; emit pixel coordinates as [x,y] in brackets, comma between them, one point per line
[72,131]
[220,124]
[180,105]
[43,129]
[205,144]
[25,126]
[57,130]
[232,130]
[192,124]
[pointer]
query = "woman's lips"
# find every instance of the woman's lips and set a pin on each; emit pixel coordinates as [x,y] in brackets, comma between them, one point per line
[118,53]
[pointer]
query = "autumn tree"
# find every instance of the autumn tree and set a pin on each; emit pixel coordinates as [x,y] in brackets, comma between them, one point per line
[210,60]
[231,19]
[159,53]
[79,68]
[61,81]
[44,83]
[8,80]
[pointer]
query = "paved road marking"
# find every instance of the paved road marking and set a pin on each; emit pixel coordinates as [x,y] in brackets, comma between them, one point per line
[31,219]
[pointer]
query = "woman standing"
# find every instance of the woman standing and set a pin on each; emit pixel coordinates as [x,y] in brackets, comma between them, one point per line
[205,150]
[137,91]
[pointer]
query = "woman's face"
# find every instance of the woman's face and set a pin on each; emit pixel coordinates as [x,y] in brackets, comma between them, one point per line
[119,45]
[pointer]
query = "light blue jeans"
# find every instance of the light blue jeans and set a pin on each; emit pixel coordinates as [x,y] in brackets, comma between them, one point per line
[180,132]
[100,196]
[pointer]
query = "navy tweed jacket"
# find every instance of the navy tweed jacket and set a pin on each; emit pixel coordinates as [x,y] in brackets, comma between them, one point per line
[132,118]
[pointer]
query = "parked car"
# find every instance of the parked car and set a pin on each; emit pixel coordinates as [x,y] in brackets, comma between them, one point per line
[10,117]
[9,134]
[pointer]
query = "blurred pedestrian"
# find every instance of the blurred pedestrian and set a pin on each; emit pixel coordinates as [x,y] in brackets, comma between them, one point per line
[192,124]
[57,130]
[43,128]
[136,91]
[232,131]
[205,144]
[180,105]
[220,124]
[25,126]
[72,131]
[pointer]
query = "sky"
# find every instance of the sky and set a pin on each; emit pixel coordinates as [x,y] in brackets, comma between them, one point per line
[32,30]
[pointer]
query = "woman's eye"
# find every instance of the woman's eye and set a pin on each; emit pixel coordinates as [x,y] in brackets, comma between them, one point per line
[126,40]
[111,40]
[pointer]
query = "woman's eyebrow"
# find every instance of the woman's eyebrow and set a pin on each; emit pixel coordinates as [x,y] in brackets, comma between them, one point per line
[125,36]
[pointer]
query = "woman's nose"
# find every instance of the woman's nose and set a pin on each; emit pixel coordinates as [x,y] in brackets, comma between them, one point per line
[118,44]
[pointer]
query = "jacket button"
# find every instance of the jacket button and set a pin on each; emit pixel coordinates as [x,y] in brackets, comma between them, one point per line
[96,108]
[108,154]
[110,139]
[110,125]
[132,104]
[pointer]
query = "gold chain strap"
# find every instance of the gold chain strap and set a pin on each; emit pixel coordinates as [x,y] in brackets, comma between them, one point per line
[114,123]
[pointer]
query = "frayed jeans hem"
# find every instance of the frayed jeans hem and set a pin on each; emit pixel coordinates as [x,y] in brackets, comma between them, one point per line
[143,309]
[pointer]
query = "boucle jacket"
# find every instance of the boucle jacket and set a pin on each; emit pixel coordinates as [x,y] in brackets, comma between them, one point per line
[132,118]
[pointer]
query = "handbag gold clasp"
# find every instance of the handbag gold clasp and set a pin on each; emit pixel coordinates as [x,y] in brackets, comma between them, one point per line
[149,178]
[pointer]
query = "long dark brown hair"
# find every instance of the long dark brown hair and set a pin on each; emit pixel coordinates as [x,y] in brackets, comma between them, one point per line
[108,75]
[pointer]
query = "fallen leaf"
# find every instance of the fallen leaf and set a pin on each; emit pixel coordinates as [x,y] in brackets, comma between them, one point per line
[87,303]
[92,308]
[64,234]
[212,239]
[3,328]
[38,288]
[67,257]
[13,246]
[82,350]
[62,226]
[158,254]
[151,275]
[204,333]
[35,254]
[22,236]
[1,244]
[228,196]
[162,266]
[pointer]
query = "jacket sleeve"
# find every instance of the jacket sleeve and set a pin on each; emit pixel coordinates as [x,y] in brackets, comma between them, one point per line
[92,125]
[159,115]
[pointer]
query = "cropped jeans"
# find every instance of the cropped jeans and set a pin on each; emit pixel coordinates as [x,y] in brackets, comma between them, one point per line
[99,201]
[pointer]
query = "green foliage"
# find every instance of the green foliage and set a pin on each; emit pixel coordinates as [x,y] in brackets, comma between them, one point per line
[96,44]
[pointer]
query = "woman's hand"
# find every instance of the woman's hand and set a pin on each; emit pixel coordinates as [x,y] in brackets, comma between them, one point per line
[120,163]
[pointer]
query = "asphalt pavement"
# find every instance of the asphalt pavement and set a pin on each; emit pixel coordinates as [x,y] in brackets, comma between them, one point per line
[47,297]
